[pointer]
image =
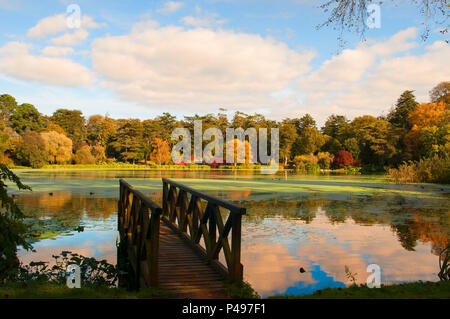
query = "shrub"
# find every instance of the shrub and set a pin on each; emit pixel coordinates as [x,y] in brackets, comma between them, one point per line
[342,159]
[242,290]
[312,168]
[84,156]
[94,273]
[300,167]
[428,170]
[325,160]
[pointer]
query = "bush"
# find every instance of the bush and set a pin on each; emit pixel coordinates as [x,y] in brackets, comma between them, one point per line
[342,159]
[84,156]
[435,169]
[325,160]
[242,290]
[93,273]
[312,168]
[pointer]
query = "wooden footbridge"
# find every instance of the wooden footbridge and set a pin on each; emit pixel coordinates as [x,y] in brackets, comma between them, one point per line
[177,247]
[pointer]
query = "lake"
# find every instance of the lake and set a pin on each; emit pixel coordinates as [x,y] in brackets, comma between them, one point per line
[321,223]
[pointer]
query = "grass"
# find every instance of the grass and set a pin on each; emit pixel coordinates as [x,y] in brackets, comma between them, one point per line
[55,291]
[415,290]
[242,291]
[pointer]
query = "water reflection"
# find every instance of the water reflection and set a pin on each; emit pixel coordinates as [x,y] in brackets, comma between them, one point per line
[320,223]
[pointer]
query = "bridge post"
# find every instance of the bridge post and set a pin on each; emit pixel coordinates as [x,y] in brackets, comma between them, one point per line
[236,273]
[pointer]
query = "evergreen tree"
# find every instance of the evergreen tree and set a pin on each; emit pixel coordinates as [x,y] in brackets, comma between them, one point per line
[406,103]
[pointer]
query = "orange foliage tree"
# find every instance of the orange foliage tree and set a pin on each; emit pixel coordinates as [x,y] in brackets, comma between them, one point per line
[425,118]
[161,152]
[245,158]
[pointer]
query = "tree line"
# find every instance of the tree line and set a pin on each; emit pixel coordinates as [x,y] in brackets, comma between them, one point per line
[410,131]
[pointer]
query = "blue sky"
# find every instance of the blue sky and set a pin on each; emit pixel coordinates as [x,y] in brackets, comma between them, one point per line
[142,58]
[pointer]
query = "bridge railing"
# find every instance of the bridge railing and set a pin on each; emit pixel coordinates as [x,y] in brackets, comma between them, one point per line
[138,225]
[197,216]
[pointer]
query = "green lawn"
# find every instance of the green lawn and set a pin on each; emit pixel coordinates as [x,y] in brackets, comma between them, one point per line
[415,290]
[55,291]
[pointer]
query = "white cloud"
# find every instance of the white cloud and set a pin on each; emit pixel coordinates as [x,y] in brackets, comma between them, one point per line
[57,24]
[48,26]
[72,38]
[57,51]
[170,7]
[172,67]
[203,18]
[16,61]
[370,78]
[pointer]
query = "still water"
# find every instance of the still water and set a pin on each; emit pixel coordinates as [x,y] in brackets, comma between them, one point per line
[320,223]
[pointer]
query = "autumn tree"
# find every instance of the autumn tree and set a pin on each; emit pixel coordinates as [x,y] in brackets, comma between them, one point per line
[32,150]
[84,156]
[325,160]
[54,127]
[428,114]
[429,127]
[58,147]
[161,152]
[93,129]
[342,159]
[151,130]
[242,151]
[5,142]
[98,152]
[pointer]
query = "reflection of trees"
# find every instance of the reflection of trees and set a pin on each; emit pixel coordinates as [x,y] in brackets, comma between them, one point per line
[405,235]
[411,224]
[67,208]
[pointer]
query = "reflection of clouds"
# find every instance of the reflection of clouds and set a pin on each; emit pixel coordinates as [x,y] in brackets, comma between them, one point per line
[271,268]
[383,248]
[45,253]
[100,245]
[274,249]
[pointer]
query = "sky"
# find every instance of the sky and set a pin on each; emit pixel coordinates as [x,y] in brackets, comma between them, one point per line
[142,58]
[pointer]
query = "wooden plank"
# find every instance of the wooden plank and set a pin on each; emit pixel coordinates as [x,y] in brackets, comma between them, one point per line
[170,254]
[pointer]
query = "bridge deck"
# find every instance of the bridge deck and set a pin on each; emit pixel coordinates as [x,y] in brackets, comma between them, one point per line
[184,272]
[177,248]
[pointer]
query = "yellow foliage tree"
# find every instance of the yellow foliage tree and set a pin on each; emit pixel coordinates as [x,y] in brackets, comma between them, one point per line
[424,117]
[428,114]
[58,147]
